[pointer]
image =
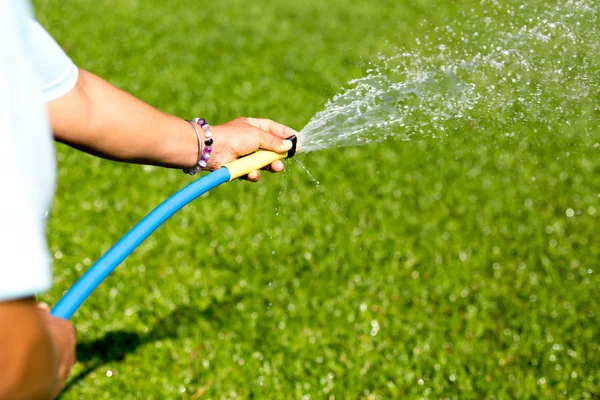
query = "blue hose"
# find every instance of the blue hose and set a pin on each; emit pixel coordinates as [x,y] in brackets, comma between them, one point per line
[69,303]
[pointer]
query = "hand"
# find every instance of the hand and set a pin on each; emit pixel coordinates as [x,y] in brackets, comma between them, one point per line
[243,136]
[62,335]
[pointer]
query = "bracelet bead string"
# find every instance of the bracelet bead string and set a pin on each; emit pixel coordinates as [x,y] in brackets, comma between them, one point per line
[196,167]
[207,143]
[203,152]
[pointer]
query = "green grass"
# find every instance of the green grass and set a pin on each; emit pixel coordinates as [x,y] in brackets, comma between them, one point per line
[430,268]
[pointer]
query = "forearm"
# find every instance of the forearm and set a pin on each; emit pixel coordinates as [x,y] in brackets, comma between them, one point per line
[103,120]
[27,360]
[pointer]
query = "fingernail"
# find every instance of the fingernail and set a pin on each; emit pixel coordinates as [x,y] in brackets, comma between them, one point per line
[287,144]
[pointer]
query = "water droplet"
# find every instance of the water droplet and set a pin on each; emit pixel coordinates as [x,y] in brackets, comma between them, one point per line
[542,381]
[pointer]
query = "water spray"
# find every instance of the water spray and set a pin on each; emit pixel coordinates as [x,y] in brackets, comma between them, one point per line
[96,274]
[434,92]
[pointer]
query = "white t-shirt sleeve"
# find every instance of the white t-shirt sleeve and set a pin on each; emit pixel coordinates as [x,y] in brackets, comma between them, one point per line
[27,167]
[55,71]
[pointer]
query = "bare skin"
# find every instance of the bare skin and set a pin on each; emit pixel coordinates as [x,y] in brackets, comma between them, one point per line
[103,120]
[37,350]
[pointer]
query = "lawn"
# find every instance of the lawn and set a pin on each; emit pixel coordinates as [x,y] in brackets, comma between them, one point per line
[460,264]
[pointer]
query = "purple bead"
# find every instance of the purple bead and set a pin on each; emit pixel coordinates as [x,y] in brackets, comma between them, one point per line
[202,163]
[202,122]
[205,157]
[208,149]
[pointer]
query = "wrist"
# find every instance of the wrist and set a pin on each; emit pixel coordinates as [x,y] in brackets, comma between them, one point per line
[177,148]
[204,137]
[187,146]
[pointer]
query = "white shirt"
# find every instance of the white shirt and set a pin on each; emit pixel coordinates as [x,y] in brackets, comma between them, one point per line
[33,69]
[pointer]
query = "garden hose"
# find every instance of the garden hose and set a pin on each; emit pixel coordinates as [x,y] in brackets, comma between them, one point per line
[94,276]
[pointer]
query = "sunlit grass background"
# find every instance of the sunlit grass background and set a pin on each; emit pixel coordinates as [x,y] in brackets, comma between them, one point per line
[458,267]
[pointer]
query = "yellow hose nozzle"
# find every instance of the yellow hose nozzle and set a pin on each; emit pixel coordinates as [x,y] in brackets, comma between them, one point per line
[255,161]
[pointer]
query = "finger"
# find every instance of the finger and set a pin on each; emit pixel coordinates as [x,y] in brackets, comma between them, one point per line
[43,306]
[251,177]
[276,166]
[254,176]
[272,127]
[273,143]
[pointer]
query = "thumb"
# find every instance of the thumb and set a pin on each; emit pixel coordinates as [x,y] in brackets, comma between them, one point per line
[274,143]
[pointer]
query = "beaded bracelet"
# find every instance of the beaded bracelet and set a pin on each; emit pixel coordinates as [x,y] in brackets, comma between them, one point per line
[203,153]
[207,143]
[196,167]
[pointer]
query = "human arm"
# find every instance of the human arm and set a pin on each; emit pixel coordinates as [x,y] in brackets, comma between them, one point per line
[37,351]
[103,120]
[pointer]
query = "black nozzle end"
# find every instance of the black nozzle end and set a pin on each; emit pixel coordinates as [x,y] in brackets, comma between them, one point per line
[292,151]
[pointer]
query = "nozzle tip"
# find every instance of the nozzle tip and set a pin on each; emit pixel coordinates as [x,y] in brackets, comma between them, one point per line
[292,151]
